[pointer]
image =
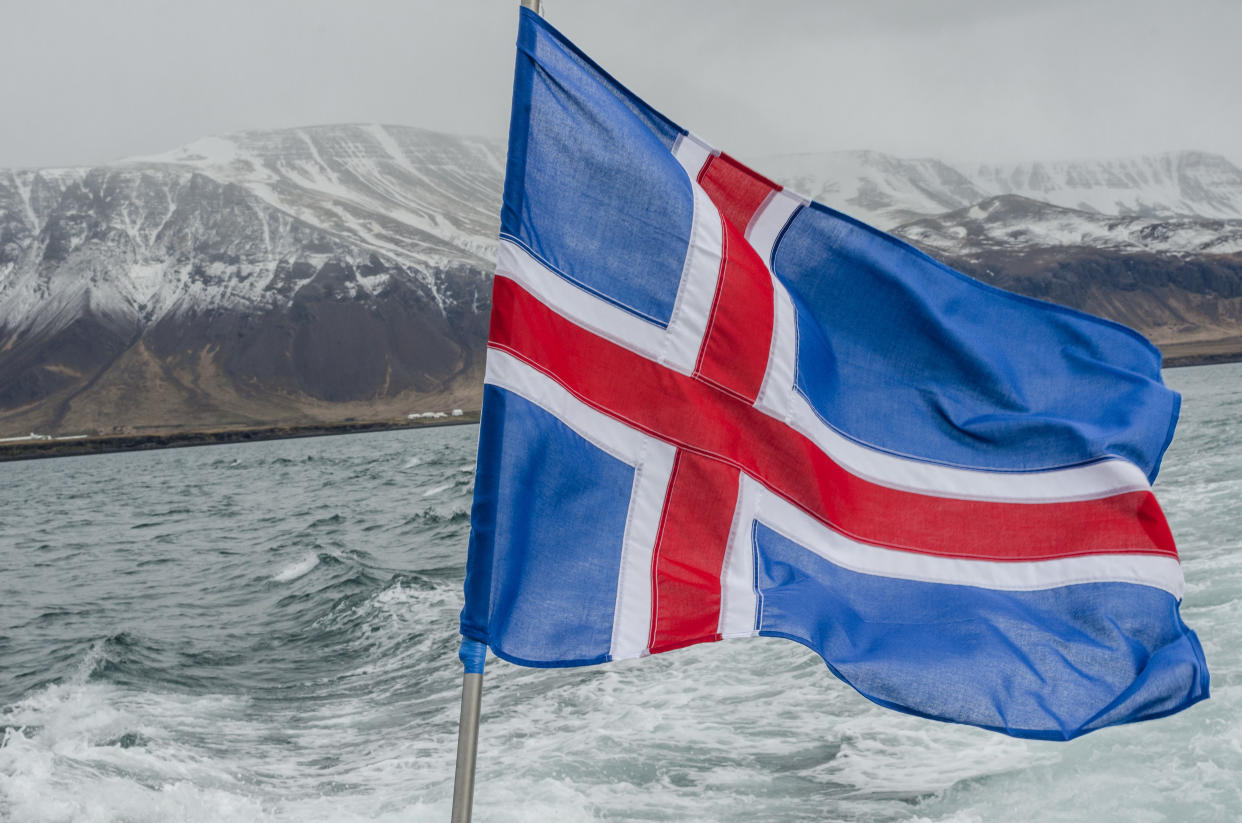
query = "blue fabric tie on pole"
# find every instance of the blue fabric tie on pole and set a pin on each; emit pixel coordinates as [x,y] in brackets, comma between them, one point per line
[472,655]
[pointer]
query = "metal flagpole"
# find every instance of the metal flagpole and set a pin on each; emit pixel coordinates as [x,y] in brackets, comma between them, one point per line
[472,655]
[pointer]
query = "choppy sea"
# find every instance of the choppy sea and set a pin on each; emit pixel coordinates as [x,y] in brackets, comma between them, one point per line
[267,632]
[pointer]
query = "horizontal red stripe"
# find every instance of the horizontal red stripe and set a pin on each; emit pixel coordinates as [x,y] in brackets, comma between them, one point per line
[696,415]
[689,552]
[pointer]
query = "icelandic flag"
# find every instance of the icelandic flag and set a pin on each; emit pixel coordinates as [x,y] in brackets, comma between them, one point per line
[714,409]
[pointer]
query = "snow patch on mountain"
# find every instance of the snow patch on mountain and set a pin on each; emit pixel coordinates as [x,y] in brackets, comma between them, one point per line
[1176,183]
[1012,222]
[244,222]
[887,191]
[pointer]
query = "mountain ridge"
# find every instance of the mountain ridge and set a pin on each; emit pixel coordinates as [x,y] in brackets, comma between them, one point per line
[887,191]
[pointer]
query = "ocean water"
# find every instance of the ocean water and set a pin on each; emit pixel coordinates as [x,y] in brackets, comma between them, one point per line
[267,632]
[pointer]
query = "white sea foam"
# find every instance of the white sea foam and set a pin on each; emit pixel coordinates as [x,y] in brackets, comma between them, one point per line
[434,490]
[95,655]
[97,752]
[297,569]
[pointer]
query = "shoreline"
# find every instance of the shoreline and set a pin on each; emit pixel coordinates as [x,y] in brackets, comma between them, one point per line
[1176,356]
[1202,352]
[1186,361]
[113,444]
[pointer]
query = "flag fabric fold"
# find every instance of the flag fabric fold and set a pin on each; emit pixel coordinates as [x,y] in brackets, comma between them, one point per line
[714,409]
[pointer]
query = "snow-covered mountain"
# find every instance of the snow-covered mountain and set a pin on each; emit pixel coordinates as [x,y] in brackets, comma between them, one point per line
[888,191]
[1016,223]
[1163,185]
[220,223]
[252,277]
[324,273]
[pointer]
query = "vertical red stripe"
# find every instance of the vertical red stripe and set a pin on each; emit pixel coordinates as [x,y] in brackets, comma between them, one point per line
[736,190]
[689,552]
[736,346]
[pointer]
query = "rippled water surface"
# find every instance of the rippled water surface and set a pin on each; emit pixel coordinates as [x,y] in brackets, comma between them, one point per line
[268,632]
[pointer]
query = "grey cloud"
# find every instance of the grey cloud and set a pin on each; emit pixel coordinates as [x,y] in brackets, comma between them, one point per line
[87,82]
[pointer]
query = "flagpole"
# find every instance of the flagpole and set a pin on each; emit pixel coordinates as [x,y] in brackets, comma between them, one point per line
[472,654]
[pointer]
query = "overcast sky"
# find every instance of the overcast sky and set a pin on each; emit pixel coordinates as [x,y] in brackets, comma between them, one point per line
[95,80]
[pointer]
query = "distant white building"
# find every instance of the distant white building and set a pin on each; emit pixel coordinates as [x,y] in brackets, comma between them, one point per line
[424,415]
[457,412]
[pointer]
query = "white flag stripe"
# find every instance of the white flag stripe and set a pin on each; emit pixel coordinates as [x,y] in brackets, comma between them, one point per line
[693,307]
[769,220]
[776,392]
[631,628]
[692,153]
[738,600]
